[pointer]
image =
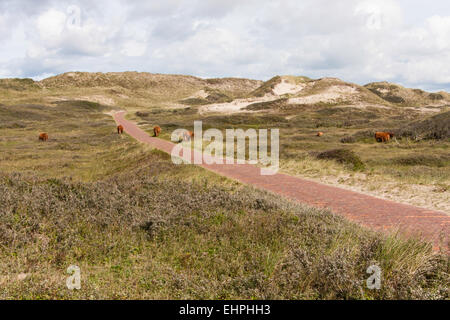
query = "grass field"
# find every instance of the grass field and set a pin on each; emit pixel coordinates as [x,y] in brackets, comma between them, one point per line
[140,227]
[403,170]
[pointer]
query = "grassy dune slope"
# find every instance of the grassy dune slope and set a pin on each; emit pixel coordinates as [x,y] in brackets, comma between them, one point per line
[397,94]
[81,138]
[141,227]
[414,164]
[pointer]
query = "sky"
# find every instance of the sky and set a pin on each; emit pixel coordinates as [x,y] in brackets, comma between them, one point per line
[362,41]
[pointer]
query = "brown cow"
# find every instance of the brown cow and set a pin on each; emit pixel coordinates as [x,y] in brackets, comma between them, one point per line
[43,137]
[156,131]
[188,135]
[319,134]
[119,129]
[383,136]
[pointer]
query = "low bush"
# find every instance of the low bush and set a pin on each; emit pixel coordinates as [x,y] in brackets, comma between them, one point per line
[420,160]
[348,139]
[434,128]
[344,156]
[435,96]
[267,105]
[394,98]
[143,234]
[142,114]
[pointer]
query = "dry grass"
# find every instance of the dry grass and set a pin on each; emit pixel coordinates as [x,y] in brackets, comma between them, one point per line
[140,227]
[81,144]
[396,94]
[148,234]
[384,174]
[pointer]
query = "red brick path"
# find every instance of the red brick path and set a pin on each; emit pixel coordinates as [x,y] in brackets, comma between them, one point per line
[369,211]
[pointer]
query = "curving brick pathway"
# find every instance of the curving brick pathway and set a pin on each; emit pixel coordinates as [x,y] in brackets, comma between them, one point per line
[367,210]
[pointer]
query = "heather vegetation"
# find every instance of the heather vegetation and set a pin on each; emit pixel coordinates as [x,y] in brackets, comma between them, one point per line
[151,232]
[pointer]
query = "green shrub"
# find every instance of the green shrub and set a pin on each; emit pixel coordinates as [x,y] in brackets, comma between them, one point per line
[343,156]
[266,87]
[81,105]
[420,160]
[348,139]
[194,101]
[435,96]
[267,105]
[215,96]
[185,111]
[13,125]
[436,127]
[18,84]
[394,99]
[142,114]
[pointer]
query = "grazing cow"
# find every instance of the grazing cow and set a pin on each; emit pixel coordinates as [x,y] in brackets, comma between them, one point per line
[43,137]
[156,131]
[119,129]
[383,136]
[188,135]
[319,134]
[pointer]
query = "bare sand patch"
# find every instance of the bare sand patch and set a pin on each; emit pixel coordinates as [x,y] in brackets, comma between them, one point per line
[123,96]
[236,105]
[286,87]
[98,99]
[364,105]
[332,94]
[426,109]
[412,194]
[202,94]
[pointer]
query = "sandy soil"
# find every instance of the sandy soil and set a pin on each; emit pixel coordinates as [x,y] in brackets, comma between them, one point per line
[99,99]
[390,190]
[288,88]
[332,94]
[426,109]
[236,105]
[202,94]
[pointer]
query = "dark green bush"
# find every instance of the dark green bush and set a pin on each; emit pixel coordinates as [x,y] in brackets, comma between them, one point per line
[194,101]
[436,127]
[215,96]
[142,114]
[436,96]
[420,160]
[267,105]
[81,105]
[393,98]
[343,156]
[348,139]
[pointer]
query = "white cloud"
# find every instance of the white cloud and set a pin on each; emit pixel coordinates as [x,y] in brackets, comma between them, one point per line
[359,41]
[440,30]
[51,24]
[380,14]
[134,48]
